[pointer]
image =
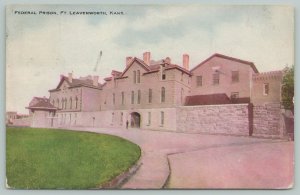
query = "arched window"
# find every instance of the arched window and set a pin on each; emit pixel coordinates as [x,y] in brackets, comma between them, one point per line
[139,97]
[162,118]
[70,103]
[150,96]
[134,76]
[121,120]
[122,94]
[57,103]
[76,102]
[138,76]
[132,97]
[163,94]
[66,102]
[62,103]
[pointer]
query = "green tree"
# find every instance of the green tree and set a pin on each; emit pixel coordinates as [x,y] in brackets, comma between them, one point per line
[287,93]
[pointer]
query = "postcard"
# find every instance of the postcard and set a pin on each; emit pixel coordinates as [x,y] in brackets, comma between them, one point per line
[149,96]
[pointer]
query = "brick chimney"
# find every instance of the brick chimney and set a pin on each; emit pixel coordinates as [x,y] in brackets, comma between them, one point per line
[128,60]
[70,77]
[95,80]
[185,59]
[146,57]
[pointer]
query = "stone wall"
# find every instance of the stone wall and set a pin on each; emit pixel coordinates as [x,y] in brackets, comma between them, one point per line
[215,119]
[267,120]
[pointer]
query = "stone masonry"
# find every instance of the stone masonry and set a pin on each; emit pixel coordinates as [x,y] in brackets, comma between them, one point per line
[267,120]
[215,119]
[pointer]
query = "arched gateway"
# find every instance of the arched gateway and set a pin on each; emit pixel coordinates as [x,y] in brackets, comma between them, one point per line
[135,120]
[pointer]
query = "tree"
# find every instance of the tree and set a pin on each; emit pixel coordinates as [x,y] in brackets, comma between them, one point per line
[287,93]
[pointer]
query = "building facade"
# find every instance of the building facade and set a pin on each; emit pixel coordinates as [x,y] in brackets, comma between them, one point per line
[147,94]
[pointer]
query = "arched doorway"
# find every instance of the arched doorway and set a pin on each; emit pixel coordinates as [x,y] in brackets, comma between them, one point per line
[135,120]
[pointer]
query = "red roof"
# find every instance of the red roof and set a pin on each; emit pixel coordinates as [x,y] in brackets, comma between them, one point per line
[251,64]
[210,99]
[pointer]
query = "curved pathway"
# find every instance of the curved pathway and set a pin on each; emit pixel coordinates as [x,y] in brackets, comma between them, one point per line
[190,154]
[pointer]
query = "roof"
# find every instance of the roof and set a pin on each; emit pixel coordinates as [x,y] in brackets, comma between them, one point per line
[251,64]
[154,66]
[77,83]
[210,99]
[42,104]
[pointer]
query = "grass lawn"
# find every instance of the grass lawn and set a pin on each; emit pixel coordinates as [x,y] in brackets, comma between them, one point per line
[60,159]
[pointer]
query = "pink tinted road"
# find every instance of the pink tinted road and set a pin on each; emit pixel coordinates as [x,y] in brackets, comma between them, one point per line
[253,166]
[179,160]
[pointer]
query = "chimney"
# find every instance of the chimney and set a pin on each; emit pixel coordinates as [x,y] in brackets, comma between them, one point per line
[185,59]
[146,57]
[70,77]
[128,60]
[95,80]
[168,60]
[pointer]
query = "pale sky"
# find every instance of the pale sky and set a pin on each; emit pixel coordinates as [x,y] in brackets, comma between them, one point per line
[41,47]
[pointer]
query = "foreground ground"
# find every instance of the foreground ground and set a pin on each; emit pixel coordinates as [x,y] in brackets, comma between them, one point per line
[178,160]
[41,158]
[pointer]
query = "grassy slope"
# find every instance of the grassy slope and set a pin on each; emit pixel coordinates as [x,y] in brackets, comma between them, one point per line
[41,158]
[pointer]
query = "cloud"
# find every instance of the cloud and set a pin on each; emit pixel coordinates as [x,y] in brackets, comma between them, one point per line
[39,49]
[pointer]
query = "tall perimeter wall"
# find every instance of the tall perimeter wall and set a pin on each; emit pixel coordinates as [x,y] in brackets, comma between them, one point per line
[234,119]
[215,119]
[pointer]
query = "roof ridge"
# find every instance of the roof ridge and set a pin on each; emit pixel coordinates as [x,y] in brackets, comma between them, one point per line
[228,58]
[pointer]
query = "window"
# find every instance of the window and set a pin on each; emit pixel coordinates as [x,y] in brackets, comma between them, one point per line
[216,78]
[112,117]
[134,76]
[76,102]
[149,118]
[199,81]
[163,76]
[162,118]
[114,99]
[132,97]
[182,96]
[163,94]
[138,76]
[234,97]
[70,103]
[57,102]
[139,97]
[121,119]
[53,102]
[62,103]
[266,89]
[150,96]
[122,94]
[235,76]
[66,102]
